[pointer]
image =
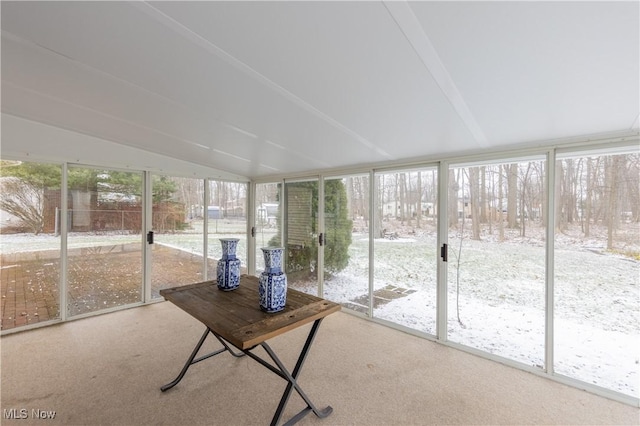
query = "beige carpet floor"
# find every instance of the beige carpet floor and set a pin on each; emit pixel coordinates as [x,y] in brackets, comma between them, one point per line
[107,370]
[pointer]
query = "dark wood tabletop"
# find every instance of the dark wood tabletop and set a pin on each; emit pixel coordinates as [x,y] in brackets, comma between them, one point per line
[236,315]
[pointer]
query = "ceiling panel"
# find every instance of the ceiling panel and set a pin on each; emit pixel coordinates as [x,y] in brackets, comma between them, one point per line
[347,60]
[540,70]
[263,88]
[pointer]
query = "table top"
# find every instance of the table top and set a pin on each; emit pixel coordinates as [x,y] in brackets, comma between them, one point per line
[236,315]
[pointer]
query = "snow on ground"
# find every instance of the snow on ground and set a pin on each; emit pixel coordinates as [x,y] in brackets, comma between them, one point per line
[501,295]
[502,302]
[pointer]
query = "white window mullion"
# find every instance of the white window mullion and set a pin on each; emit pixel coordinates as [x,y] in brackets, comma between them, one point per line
[550,236]
[321,230]
[251,227]
[373,213]
[147,226]
[443,238]
[205,232]
[64,229]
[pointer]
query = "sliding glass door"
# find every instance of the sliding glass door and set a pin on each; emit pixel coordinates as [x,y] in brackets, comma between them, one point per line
[104,252]
[496,259]
[267,222]
[227,218]
[301,235]
[30,218]
[178,232]
[405,248]
[597,270]
[346,241]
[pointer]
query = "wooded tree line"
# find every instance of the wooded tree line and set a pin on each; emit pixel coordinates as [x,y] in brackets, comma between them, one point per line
[601,191]
[230,196]
[598,191]
[589,191]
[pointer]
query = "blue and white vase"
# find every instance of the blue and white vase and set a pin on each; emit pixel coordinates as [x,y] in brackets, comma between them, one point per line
[273,282]
[228,270]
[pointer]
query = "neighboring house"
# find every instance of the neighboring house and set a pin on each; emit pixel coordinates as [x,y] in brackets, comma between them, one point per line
[267,213]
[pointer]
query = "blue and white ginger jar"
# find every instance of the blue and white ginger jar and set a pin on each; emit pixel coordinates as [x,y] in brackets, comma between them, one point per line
[228,270]
[273,282]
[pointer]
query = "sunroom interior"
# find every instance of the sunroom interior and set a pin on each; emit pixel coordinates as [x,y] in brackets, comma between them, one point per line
[466,173]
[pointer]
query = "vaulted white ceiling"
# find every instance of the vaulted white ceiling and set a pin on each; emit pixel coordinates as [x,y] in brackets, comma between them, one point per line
[264,88]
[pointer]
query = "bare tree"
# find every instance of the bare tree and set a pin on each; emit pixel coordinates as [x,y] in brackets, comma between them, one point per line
[500,206]
[474,201]
[482,196]
[612,171]
[402,189]
[632,177]
[419,199]
[588,199]
[512,194]
[561,222]
[453,198]
[24,201]
[523,199]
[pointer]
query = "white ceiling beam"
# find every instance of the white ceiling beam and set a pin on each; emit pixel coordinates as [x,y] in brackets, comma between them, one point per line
[413,31]
[210,47]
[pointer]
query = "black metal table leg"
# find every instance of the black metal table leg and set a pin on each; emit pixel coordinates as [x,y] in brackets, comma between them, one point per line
[293,384]
[282,371]
[192,361]
[279,369]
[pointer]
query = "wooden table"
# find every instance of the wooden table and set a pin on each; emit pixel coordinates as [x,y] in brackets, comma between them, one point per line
[235,319]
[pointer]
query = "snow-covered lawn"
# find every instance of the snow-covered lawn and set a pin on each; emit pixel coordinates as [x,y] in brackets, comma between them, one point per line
[496,298]
[502,301]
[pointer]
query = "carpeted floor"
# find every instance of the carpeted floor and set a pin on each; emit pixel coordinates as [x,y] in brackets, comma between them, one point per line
[107,370]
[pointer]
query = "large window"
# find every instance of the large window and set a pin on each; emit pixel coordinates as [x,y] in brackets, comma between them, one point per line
[267,225]
[301,235]
[507,286]
[178,227]
[30,205]
[104,252]
[496,259]
[597,270]
[405,247]
[227,217]
[346,241]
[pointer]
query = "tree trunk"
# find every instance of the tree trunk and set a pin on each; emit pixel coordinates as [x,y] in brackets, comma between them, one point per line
[364,190]
[419,200]
[482,196]
[543,191]
[512,194]
[403,198]
[560,220]
[377,217]
[568,197]
[612,209]
[632,177]
[500,206]
[474,200]
[523,199]
[453,199]
[587,208]
[351,208]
